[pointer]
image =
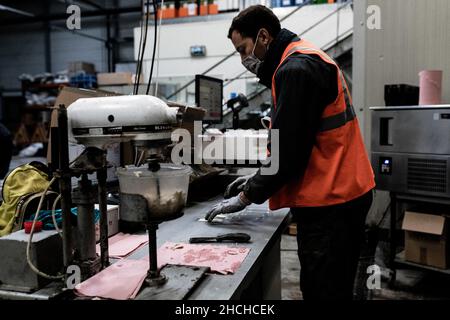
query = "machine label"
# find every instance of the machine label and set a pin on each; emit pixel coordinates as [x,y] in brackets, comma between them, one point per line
[95,131]
[149,128]
[120,130]
[112,130]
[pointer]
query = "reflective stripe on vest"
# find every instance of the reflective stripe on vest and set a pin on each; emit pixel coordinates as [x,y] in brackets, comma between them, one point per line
[340,119]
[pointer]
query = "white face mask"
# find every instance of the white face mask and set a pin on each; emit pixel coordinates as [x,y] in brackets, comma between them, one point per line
[251,62]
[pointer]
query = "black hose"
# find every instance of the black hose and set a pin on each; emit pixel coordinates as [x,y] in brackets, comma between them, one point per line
[155,8]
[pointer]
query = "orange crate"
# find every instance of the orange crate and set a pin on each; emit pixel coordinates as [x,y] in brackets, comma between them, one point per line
[167,13]
[182,12]
[213,8]
[203,10]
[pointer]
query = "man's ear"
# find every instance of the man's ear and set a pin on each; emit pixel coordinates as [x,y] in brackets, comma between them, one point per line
[265,36]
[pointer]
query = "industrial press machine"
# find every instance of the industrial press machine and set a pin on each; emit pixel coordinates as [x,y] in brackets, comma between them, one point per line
[152,191]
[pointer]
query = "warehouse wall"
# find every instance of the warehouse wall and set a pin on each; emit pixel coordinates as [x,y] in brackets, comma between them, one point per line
[175,56]
[414,36]
[68,46]
[22,51]
[23,46]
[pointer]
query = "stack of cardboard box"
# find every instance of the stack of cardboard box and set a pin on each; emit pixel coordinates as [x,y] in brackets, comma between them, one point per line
[426,239]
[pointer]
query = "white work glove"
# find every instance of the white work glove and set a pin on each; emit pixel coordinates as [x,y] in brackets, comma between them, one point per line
[227,206]
[236,186]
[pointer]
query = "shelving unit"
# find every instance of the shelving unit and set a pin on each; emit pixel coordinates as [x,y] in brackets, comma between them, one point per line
[398,259]
[34,125]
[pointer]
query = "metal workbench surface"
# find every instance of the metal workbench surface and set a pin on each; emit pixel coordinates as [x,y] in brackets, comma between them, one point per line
[264,226]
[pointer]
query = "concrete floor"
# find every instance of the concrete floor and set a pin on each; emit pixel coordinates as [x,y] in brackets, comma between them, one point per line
[290,269]
[411,284]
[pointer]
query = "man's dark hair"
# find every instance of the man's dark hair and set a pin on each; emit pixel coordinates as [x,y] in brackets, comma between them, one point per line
[249,21]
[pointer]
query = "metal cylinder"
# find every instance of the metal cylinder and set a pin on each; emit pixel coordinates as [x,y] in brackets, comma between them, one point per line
[84,199]
[154,276]
[65,185]
[152,247]
[104,253]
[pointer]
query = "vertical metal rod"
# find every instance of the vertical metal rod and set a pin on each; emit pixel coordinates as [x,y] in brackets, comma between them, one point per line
[54,149]
[337,26]
[47,35]
[393,242]
[108,42]
[65,186]
[104,253]
[116,34]
[86,220]
[152,246]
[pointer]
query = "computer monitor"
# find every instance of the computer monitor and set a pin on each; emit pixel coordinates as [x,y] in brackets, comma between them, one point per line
[209,96]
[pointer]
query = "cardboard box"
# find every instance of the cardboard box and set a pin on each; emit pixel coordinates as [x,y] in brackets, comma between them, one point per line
[189,116]
[115,78]
[426,239]
[292,229]
[113,222]
[77,66]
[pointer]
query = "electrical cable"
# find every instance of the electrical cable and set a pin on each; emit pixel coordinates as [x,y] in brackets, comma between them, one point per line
[155,93]
[135,156]
[53,215]
[141,158]
[32,266]
[155,9]
[144,43]
[139,51]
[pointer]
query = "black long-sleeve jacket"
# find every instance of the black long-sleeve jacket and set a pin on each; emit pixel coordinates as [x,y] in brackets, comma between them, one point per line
[304,86]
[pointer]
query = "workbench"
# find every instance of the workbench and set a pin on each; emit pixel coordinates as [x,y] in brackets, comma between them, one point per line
[259,276]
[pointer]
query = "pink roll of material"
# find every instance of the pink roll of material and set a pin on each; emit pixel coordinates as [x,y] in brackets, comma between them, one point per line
[430,87]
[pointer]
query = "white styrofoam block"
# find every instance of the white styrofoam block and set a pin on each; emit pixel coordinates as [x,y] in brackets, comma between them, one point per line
[236,145]
[113,221]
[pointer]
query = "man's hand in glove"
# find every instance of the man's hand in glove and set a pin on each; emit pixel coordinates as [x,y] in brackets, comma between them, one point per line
[236,186]
[231,205]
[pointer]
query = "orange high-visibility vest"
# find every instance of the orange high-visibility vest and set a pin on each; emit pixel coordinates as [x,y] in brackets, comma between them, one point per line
[339,169]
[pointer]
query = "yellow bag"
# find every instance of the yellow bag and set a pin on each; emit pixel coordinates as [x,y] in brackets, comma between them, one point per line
[23,180]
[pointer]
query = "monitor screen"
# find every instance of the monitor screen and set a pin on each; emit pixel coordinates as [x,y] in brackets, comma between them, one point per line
[209,96]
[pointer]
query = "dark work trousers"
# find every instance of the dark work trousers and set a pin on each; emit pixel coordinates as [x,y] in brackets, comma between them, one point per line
[329,241]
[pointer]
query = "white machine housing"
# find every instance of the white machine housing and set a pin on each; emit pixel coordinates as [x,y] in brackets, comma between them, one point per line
[99,122]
